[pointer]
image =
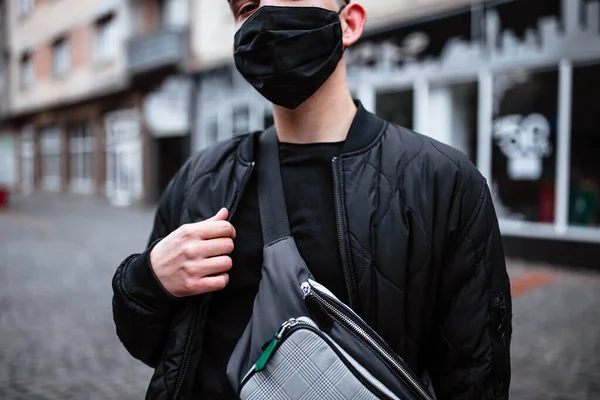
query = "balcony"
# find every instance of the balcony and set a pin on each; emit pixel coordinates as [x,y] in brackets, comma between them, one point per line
[159,52]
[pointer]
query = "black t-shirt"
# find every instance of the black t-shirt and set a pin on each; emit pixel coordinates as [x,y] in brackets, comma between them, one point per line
[307,175]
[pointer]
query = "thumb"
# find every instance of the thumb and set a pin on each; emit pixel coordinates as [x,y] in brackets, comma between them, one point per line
[220,216]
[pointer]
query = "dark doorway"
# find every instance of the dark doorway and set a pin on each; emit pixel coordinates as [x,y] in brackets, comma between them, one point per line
[171,153]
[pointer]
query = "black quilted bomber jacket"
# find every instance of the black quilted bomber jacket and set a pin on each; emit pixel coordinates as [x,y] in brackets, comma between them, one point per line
[420,244]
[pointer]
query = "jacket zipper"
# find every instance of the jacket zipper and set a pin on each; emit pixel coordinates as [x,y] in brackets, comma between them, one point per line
[341,231]
[187,353]
[292,325]
[353,322]
[194,326]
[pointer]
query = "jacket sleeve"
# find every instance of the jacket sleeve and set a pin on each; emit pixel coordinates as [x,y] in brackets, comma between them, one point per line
[142,308]
[470,356]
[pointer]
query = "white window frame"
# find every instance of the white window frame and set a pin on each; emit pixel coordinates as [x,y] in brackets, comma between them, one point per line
[61,56]
[106,41]
[81,143]
[25,7]
[50,146]
[124,157]
[26,71]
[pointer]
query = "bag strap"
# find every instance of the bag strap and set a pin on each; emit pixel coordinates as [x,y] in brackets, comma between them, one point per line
[271,201]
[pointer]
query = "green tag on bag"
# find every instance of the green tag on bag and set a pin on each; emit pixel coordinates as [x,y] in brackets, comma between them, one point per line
[266,355]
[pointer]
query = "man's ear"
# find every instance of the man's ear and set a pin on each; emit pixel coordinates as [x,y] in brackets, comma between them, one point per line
[353,18]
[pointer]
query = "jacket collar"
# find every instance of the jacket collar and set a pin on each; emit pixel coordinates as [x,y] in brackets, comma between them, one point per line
[365,129]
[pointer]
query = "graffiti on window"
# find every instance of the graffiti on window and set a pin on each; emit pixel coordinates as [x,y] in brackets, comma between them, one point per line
[525,141]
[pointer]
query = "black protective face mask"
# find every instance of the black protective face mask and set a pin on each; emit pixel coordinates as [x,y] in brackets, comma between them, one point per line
[287,53]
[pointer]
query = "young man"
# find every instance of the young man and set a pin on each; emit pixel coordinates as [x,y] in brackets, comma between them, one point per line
[400,227]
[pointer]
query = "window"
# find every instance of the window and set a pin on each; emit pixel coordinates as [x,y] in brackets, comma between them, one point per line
[396,107]
[106,41]
[27,70]
[524,145]
[124,172]
[27,160]
[61,56]
[2,13]
[584,196]
[81,151]
[455,109]
[212,132]
[25,7]
[174,13]
[2,79]
[241,120]
[50,152]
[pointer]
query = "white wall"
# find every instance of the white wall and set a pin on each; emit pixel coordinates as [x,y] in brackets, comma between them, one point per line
[211,33]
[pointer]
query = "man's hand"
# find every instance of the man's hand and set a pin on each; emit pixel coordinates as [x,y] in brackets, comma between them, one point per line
[194,259]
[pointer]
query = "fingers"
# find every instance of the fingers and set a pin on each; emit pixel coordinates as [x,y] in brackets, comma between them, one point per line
[207,248]
[214,283]
[210,266]
[214,230]
[220,216]
[206,284]
[206,230]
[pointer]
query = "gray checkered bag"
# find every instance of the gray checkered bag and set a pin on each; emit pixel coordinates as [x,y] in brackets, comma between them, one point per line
[309,365]
[301,341]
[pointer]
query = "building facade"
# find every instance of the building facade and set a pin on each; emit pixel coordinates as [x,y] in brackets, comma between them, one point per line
[8,150]
[509,83]
[83,74]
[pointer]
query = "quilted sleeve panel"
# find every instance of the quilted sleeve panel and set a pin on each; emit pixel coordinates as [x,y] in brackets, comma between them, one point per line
[470,354]
[142,308]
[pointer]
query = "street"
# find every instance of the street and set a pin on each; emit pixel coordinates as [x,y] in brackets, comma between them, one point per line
[57,339]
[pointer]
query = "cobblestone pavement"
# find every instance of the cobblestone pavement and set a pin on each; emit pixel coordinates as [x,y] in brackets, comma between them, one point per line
[57,338]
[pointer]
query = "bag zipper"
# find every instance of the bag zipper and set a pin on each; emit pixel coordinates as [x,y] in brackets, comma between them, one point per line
[287,328]
[353,322]
[196,318]
[339,219]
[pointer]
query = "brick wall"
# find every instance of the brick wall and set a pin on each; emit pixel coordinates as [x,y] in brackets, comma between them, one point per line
[82,41]
[42,57]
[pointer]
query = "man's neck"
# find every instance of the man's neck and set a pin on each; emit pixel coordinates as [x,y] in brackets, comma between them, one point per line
[324,117]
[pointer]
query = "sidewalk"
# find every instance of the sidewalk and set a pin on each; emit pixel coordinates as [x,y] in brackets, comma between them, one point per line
[57,339]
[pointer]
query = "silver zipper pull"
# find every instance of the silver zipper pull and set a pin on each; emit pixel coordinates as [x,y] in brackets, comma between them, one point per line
[286,325]
[306,288]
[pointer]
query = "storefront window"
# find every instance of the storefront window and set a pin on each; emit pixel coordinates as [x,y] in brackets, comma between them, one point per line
[124,172]
[241,120]
[50,150]
[212,132]
[28,160]
[81,149]
[524,148]
[396,107]
[584,199]
[455,123]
